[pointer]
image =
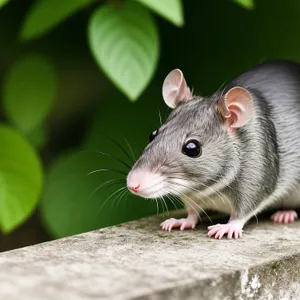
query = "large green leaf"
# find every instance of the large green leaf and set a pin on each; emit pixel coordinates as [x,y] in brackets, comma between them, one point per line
[172,10]
[46,14]
[30,91]
[124,41]
[3,2]
[248,4]
[20,179]
[75,202]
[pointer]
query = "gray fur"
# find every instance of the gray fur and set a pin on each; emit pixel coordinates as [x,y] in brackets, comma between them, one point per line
[257,165]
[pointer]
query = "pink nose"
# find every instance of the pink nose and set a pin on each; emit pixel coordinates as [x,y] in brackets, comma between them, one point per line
[134,187]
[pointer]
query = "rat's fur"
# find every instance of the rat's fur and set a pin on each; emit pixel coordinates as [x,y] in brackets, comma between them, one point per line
[253,168]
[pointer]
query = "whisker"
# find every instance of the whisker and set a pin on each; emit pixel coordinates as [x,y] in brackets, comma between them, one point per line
[194,189]
[157,207]
[185,196]
[163,209]
[107,170]
[117,191]
[219,195]
[159,114]
[172,201]
[165,205]
[224,199]
[115,158]
[112,181]
[121,148]
[190,204]
[127,194]
[167,196]
[130,148]
[221,86]
[120,196]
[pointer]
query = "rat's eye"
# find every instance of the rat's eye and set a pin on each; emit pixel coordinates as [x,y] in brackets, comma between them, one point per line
[152,135]
[192,148]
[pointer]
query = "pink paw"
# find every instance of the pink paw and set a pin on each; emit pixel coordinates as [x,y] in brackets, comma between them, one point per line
[284,216]
[182,223]
[231,229]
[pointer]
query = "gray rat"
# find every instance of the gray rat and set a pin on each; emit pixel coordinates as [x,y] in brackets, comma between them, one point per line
[237,151]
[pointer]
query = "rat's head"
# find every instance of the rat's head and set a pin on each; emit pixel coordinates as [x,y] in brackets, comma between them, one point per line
[195,147]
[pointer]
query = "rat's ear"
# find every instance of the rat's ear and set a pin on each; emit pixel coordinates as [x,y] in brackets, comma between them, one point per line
[175,89]
[237,107]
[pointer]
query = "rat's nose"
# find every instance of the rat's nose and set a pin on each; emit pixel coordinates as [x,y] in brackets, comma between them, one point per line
[134,186]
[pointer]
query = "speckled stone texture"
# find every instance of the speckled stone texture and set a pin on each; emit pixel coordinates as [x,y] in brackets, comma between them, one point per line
[139,261]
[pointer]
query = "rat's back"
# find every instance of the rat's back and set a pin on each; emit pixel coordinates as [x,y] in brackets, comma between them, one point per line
[277,82]
[277,89]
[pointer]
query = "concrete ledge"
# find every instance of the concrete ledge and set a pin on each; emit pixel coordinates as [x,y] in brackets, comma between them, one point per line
[139,261]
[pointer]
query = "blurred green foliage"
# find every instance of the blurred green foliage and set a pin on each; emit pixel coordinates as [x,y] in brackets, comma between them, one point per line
[249,4]
[3,2]
[29,80]
[47,14]
[21,178]
[75,74]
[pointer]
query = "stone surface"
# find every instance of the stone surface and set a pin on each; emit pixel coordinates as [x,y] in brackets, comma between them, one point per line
[139,261]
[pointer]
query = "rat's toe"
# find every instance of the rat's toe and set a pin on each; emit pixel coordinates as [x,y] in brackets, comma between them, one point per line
[284,216]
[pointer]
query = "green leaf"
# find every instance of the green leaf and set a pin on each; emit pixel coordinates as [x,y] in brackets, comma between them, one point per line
[29,92]
[172,10]
[20,179]
[124,41]
[47,14]
[3,2]
[74,202]
[248,4]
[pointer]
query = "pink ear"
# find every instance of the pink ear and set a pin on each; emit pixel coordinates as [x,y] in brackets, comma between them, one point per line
[175,89]
[238,107]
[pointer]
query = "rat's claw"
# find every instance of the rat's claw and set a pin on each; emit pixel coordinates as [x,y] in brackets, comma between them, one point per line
[238,234]
[230,233]
[182,223]
[284,216]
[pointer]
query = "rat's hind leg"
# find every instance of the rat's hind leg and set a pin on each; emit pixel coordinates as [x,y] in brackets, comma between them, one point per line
[284,216]
[186,223]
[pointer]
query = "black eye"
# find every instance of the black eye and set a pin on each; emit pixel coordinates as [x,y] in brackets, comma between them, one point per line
[152,135]
[192,148]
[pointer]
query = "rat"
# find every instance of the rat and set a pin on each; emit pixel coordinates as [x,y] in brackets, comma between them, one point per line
[236,151]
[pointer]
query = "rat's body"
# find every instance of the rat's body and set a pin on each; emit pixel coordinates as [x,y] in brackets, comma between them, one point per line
[249,140]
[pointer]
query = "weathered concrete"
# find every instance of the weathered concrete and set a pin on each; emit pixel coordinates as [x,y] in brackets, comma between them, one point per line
[139,261]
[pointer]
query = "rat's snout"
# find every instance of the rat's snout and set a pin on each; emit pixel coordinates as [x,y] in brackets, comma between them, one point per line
[134,186]
[144,183]
[137,181]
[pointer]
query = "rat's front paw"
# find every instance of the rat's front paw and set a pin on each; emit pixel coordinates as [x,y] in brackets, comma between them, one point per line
[233,229]
[182,223]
